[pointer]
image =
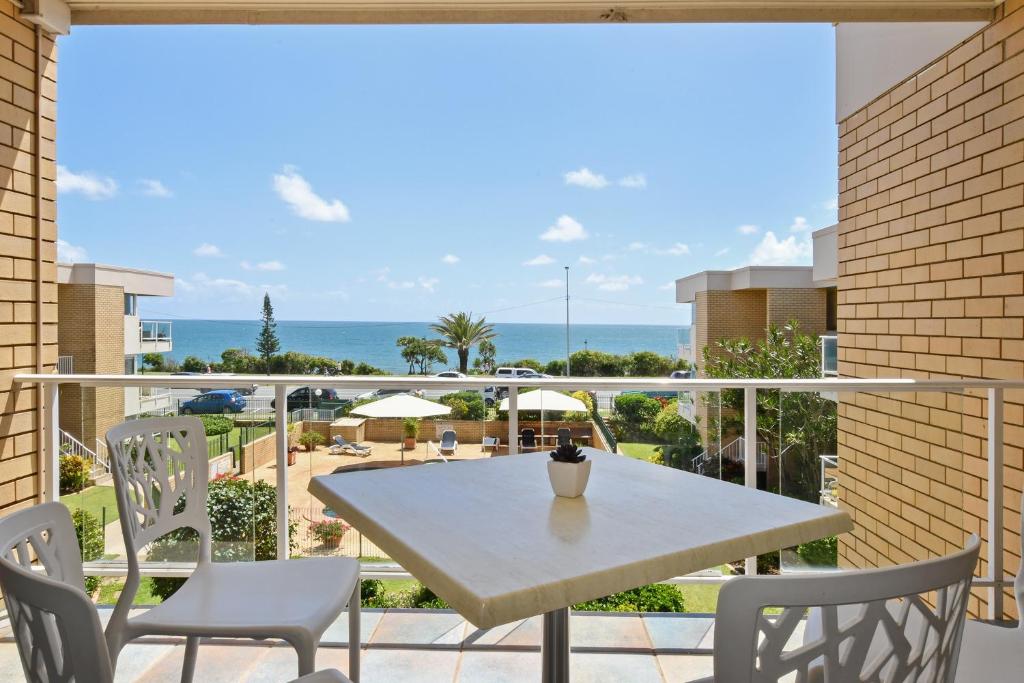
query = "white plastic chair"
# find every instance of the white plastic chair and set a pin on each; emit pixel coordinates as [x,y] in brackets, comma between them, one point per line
[449,444]
[55,624]
[995,654]
[294,600]
[875,624]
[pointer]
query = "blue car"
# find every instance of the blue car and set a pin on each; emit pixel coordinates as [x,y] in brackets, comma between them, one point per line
[219,401]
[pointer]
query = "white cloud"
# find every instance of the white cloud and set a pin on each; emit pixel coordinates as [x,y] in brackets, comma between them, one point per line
[677,249]
[183,285]
[450,259]
[636,246]
[265,265]
[154,188]
[401,284]
[221,285]
[208,250]
[800,224]
[88,184]
[69,253]
[636,181]
[295,191]
[586,178]
[722,252]
[667,286]
[614,283]
[587,261]
[428,283]
[748,229]
[554,283]
[774,252]
[565,229]
[542,260]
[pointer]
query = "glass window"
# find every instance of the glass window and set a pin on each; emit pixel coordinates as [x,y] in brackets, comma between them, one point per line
[130,365]
[131,304]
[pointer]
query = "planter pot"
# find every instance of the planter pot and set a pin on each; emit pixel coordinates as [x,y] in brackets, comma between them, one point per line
[333,542]
[410,443]
[291,458]
[569,479]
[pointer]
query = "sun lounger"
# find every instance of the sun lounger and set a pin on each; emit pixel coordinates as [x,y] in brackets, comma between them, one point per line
[448,442]
[343,445]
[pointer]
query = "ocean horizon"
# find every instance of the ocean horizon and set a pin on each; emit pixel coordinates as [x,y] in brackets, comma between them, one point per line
[374,342]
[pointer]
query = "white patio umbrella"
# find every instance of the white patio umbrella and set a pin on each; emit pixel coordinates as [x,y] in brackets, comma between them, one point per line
[545,400]
[402,405]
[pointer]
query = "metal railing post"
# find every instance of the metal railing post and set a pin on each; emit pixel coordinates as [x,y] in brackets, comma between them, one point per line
[750,453]
[995,502]
[281,437]
[51,444]
[513,420]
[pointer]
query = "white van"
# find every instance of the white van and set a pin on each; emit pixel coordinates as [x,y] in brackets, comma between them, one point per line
[515,372]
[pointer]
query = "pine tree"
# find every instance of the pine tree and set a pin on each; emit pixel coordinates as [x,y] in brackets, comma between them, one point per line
[267,343]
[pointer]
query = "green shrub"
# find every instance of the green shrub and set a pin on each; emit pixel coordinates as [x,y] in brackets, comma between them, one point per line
[310,440]
[424,598]
[821,553]
[587,400]
[215,425]
[410,427]
[469,403]
[243,517]
[89,532]
[636,413]
[74,473]
[657,597]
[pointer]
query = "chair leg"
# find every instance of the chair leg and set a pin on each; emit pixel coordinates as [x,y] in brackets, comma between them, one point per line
[355,640]
[188,668]
[306,650]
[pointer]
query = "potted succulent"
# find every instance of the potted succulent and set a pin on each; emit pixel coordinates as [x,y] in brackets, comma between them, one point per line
[410,430]
[568,471]
[329,531]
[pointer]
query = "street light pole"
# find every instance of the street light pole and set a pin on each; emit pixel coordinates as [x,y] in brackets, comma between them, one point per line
[568,370]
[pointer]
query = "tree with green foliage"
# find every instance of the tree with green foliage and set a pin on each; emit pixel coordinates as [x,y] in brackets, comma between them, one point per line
[153,361]
[421,353]
[243,521]
[465,405]
[794,427]
[461,332]
[484,361]
[74,473]
[635,414]
[267,343]
[90,536]
[194,364]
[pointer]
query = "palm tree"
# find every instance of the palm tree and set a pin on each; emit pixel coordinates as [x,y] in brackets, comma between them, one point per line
[460,332]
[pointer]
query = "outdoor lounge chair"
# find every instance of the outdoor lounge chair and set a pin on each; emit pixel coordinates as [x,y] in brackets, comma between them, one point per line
[564,436]
[54,623]
[529,438]
[343,445]
[161,477]
[448,442]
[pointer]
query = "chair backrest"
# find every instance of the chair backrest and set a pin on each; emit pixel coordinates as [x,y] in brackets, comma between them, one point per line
[528,437]
[448,438]
[564,435]
[893,634]
[161,477]
[55,624]
[341,441]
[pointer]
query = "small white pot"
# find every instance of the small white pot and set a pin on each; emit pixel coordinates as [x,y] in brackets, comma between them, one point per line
[569,479]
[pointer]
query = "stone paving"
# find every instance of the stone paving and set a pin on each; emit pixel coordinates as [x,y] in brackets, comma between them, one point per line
[437,645]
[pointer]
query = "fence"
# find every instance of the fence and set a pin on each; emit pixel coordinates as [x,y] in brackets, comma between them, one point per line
[233,441]
[308,543]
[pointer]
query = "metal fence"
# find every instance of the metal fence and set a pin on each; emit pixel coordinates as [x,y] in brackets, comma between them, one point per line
[307,542]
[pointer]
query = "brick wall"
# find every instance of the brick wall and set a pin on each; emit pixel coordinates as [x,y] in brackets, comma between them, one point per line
[92,331]
[931,254]
[19,476]
[809,306]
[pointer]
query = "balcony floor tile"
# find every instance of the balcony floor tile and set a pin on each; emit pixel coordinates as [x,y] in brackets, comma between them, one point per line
[670,631]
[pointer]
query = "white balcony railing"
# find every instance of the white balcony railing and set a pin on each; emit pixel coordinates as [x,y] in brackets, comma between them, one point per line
[994,390]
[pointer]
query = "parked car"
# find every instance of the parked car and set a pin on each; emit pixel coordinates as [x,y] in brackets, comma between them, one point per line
[451,374]
[219,401]
[516,372]
[306,397]
[681,374]
[384,393]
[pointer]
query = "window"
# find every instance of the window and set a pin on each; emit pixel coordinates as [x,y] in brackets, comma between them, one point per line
[131,304]
[831,309]
[130,365]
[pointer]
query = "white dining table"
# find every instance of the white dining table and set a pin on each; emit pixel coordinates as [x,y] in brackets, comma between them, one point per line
[490,538]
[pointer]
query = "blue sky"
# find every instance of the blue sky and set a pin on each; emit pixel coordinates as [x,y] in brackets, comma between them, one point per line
[398,173]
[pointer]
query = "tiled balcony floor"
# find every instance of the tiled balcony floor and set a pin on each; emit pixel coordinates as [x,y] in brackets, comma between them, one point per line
[435,645]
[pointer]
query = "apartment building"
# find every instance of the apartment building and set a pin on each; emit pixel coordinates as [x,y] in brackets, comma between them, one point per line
[101,332]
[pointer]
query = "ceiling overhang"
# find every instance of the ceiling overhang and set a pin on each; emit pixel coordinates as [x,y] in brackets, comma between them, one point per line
[518,11]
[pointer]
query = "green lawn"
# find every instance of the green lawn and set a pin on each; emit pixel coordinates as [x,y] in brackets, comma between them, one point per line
[640,451]
[234,437]
[93,500]
[110,589]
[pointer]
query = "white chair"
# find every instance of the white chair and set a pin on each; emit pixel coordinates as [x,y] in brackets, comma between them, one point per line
[449,444]
[160,473]
[995,654]
[887,632]
[56,626]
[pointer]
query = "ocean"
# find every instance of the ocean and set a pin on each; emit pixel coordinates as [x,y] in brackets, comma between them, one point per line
[374,342]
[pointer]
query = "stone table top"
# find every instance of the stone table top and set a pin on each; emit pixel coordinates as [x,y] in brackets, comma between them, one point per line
[490,538]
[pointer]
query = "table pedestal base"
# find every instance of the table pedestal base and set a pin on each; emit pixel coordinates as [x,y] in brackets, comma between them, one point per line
[554,649]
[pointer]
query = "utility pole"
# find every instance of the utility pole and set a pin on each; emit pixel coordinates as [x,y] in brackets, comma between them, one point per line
[568,371]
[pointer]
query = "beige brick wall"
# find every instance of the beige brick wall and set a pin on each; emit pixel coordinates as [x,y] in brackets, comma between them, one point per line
[931,254]
[92,332]
[19,439]
[809,306]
